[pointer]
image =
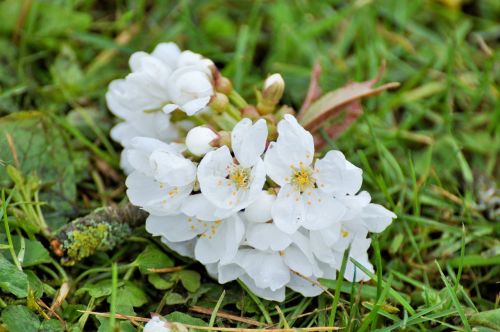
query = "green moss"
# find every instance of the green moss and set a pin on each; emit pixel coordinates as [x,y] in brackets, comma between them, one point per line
[84,241]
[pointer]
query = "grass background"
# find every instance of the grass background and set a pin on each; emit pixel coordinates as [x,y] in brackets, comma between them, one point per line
[429,151]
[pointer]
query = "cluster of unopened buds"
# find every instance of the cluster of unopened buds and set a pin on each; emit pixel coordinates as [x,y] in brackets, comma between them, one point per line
[238,187]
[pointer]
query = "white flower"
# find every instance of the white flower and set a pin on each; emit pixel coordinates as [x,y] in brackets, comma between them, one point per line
[198,140]
[162,178]
[190,89]
[140,97]
[365,216]
[233,184]
[156,324]
[260,210]
[266,269]
[306,197]
[214,241]
[268,272]
[304,286]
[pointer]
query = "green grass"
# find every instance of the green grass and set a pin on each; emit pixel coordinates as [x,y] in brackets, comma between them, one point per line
[429,150]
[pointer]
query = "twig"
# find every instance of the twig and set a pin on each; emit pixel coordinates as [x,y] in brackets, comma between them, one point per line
[314,282]
[166,269]
[207,328]
[225,315]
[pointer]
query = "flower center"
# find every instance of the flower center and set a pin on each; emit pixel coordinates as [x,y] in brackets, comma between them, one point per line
[302,178]
[240,177]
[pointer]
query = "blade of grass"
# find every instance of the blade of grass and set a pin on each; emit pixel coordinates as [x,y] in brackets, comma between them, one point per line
[454,299]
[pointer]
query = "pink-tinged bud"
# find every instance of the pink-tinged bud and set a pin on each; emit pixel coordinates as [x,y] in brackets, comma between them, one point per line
[223,85]
[271,94]
[223,138]
[198,140]
[219,102]
[250,112]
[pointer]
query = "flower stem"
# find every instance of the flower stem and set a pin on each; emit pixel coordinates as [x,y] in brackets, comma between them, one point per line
[5,202]
[237,99]
[234,112]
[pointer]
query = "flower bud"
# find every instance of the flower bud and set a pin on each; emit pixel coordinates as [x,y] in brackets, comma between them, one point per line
[219,102]
[250,112]
[223,85]
[274,86]
[223,138]
[271,94]
[198,140]
[260,210]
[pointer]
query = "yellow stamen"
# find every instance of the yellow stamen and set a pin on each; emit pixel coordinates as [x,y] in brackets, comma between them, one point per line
[302,178]
[240,177]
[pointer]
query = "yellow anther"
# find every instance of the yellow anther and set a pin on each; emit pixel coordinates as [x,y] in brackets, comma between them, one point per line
[303,179]
[240,177]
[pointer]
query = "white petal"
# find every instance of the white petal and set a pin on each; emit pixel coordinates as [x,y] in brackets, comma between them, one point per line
[353,273]
[299,256]
[155,197]
[213,270]
[303,286]
[288,211]
[196,105]
[198,206]
[215,163]
[123,133]
[260,210]
[249,141]
[355,204]
[229,272]
[172,168]
[266,269]
[176,228]
[294,144]
[267,236]
[155,324]
[140,149]
[124,164]
[168,53]
[376,218]
[321,249]
[169,108]
[212,172]
[334,174]
[276,168]
[265,293]
[322,210]
[185,248]
[222,244]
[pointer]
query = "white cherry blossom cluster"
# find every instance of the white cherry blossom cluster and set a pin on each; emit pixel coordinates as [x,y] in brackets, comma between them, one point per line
[254,203]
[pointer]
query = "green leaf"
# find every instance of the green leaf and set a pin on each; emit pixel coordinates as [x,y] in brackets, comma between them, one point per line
[12,280]
[40,148]
[159,282]
[35,284]
[130,294]
[152,258]
[175,298]
[98,289]
[18,318]
[180,317]
[51,325]
[489,319]
[35,253]
[190,280]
